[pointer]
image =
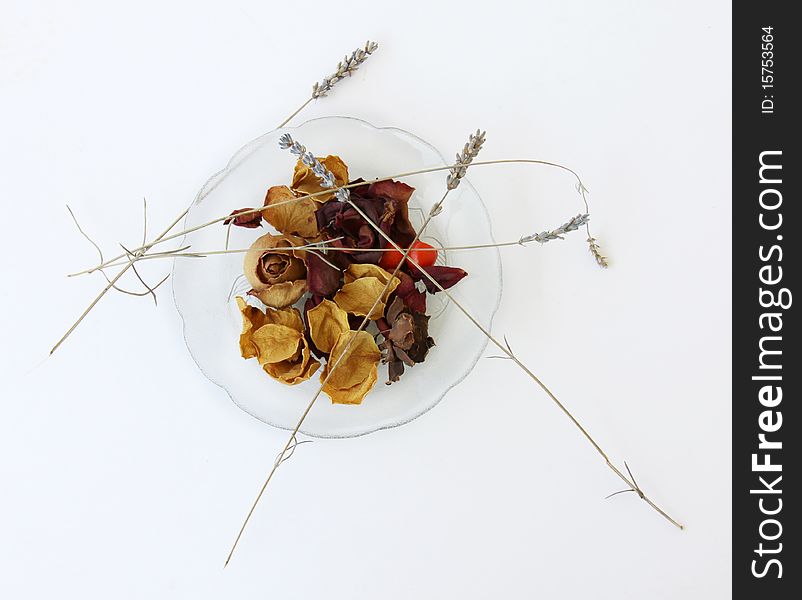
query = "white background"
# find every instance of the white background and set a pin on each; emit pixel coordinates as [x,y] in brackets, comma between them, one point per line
[125,474]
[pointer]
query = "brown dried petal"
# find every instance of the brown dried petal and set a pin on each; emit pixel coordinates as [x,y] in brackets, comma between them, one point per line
[304,181]
[326,322]
[402,333]
[294,218]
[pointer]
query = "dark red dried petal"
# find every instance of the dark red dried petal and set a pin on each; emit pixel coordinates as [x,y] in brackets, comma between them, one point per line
[445,276]
[251,220]
[321,279]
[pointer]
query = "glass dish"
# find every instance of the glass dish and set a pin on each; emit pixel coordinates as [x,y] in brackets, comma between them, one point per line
[205,288]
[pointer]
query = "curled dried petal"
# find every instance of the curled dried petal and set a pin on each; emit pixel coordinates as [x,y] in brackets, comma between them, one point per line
[250,220]
[293,218]
[276,343]
[364,283]
[326,322]
[304,181]
[357,372]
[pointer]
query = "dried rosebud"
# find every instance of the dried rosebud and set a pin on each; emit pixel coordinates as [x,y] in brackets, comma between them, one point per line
[278,277]
[251,220]
[406,338]
[385,205]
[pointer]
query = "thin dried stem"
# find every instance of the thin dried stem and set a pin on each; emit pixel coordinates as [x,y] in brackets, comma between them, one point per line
[204,253]
[333,367]
[522,161]
[142,250]
[113,281]
[508,352]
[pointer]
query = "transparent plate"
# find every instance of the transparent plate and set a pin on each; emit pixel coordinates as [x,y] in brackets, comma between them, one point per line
[205,288]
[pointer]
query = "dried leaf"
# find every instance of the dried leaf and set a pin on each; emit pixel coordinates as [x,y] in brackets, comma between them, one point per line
[295,218]
[304,181]
[326,322]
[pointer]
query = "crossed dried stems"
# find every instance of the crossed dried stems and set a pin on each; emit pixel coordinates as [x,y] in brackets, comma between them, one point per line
[319,90]
[457,171]
[453,180]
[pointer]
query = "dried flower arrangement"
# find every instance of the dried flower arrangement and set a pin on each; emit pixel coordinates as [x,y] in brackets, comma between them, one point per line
[328,252]
[348,250]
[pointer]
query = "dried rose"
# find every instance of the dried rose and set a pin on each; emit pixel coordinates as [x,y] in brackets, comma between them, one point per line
[275,338]
[384,204]
[356,373]
[278,277]
[292,218]
[364,283]
[304,181]
[250,220]
[406,338]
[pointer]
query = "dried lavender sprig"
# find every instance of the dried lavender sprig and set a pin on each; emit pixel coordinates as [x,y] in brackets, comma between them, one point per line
[556,234]
[326,177]
[601,260]
[469,152]
[346,67]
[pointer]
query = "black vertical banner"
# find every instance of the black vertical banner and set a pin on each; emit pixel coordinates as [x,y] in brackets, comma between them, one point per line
[767,260]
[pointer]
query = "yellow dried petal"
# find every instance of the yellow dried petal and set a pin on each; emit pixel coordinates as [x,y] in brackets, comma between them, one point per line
[252,319]
[359,296]
[295,218]
[284,294]
[357,271]
[290,317]
[354,394]
[304,181]
[275,343]
[295,371]
[359,360]
[326,322]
